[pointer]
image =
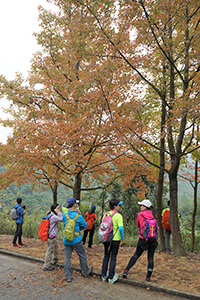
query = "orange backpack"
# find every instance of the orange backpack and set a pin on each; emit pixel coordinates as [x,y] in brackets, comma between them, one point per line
[90,219]
[166,220]
[44,228]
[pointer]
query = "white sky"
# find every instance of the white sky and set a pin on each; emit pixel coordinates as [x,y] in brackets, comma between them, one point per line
[18,21]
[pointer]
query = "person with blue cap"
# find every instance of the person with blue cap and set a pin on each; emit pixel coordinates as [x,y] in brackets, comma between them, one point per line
[76,242]
[111,249]
[90,218]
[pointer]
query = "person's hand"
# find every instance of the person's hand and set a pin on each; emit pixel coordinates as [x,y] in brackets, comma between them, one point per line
[121,243]
[57,209]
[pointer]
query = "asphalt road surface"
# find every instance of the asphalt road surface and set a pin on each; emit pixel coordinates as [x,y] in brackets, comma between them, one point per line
[20,279]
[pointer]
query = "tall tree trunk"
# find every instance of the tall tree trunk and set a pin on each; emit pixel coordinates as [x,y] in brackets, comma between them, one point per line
[195,202]
[160,182]
[175,155]
[174,220]
[195,207]
[162,164]
[77,187]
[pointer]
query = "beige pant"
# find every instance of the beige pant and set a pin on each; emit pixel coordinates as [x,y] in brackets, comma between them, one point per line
[52,248]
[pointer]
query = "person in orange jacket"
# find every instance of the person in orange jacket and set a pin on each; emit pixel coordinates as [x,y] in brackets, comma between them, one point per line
[90,218]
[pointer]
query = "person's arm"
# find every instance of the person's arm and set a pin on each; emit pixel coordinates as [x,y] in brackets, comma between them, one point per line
[138,220]
[25,210]
[121,228]
[63,204]
[95,218]
[82,223]
[57,218]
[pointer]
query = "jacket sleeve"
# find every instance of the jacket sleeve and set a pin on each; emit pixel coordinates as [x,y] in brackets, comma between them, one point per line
[139,220]
[57,218]
[82,222]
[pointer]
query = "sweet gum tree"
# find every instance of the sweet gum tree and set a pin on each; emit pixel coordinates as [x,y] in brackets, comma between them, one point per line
[63,128]
[163,51]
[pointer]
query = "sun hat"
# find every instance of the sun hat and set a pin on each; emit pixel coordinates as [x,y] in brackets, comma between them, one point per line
[145,202]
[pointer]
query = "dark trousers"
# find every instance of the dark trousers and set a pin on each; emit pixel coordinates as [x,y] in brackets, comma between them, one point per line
[141,247]
[90,237]
[110,250]
[18,233]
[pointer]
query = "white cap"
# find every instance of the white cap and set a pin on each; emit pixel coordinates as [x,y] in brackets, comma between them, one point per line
[145,202]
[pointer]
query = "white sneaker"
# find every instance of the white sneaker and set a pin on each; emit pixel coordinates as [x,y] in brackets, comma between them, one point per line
[104,279]
[114,279]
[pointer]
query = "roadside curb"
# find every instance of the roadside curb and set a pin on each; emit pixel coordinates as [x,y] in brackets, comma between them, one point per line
[134,282]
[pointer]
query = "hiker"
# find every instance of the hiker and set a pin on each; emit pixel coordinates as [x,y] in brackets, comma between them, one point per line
[147,213]
[21,211]
[166,226]
[90,218]
[52,243]
[75,241]
[1,206]
[111,248]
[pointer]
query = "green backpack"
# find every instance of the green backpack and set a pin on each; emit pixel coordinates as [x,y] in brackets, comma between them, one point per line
[69,229]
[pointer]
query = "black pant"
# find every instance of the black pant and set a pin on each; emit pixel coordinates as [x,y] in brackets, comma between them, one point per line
[110,249]
[91,231]
[18,233]
[141,247]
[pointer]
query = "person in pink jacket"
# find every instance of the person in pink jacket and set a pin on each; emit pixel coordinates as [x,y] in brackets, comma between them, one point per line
[144,243]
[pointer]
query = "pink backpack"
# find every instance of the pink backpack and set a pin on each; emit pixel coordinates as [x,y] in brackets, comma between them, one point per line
[150,229]
[105,231]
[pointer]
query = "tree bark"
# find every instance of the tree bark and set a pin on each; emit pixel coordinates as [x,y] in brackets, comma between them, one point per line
[195,201]
[174,220]
[195,207]
[162,164]
[55,193]
[77,187]
[159,200]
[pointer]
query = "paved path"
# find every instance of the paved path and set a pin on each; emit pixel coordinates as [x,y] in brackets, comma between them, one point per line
[20,279]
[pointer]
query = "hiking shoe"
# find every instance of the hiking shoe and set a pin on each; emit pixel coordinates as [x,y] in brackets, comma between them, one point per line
[115,278]
[55,261]
[104,278]
[22,245]
[15,246]
[148,279]
[49,269]
[89,271]
[125,274]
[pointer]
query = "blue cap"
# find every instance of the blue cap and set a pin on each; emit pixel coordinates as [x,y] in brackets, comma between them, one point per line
[120,202]
[72,201]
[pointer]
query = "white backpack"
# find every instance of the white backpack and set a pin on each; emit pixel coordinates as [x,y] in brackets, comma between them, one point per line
[13,213]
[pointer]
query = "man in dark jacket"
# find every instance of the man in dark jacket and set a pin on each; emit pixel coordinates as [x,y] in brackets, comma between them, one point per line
[19,222]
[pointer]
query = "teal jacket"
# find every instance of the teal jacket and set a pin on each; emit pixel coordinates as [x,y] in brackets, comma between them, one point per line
[80,224]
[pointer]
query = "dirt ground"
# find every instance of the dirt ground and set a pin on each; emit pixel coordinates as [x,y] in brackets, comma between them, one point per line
[169,270]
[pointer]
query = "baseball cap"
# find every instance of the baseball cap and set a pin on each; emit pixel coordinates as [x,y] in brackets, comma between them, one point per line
[145,202]
[120,202]
[72,201]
